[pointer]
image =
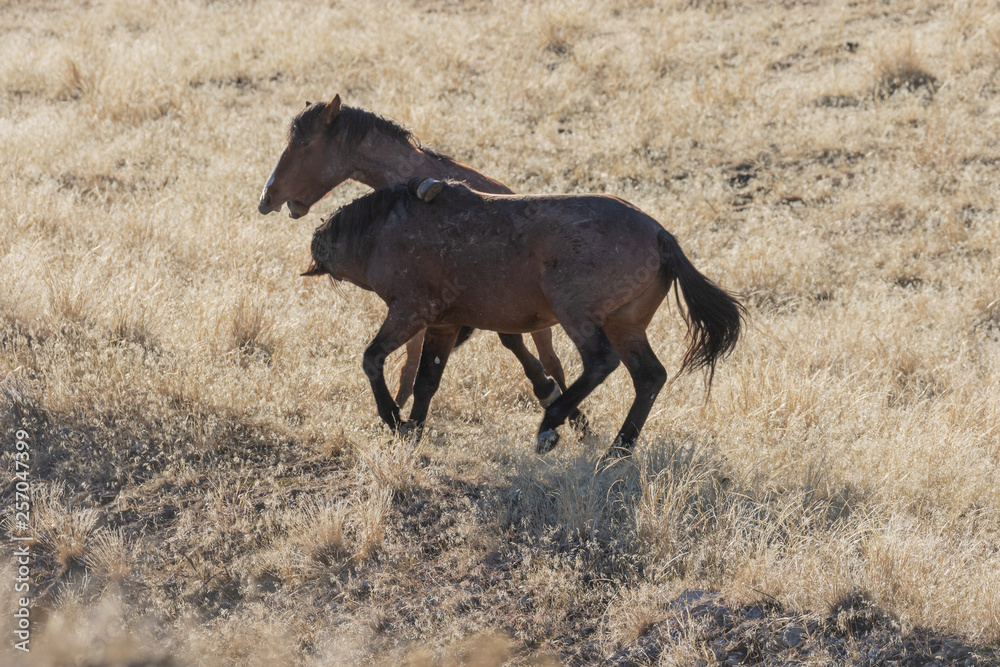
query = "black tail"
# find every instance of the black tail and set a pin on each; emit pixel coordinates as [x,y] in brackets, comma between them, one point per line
[714,317]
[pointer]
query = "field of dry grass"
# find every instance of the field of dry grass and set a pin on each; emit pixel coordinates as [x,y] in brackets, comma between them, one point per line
[210,483]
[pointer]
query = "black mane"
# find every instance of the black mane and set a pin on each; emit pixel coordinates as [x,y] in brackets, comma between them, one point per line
[351,223]
[353,125]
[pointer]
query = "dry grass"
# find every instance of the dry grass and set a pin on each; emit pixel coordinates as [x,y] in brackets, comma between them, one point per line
[211,482]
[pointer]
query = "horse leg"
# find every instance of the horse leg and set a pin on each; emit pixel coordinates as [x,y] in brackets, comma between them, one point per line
[409,372]
[464,334]
[547,355]
[438,345]
[552,366]
[648,378]
[395,330]
[544,388]
[599,360]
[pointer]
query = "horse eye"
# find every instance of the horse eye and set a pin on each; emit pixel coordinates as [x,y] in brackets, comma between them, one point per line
[300,136]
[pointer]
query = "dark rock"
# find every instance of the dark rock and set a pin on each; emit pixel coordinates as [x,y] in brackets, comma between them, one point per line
[690,598]
[792,636]
[720,652]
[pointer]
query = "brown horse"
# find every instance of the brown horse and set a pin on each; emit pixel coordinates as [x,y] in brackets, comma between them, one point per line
[328,144]
[593,263]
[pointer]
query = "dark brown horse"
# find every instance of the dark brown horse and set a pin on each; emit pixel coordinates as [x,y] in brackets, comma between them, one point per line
[593,263]
[328,144]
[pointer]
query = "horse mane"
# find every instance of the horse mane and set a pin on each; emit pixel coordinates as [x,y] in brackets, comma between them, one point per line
[351,224]
[353,125]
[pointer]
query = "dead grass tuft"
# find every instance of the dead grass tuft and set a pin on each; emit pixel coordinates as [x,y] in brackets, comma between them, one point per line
[372,516]
[392,467]
[680,494]
[900,69]
[632,614]
[321,531]
[251,327]
[110,556]
[61,527]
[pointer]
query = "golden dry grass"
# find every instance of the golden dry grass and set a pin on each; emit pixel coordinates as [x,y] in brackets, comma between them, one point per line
[211,482]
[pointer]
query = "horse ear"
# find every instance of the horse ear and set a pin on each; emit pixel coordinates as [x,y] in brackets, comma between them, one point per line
[331,110]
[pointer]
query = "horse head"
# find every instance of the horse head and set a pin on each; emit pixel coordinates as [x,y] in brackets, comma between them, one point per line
[310,165]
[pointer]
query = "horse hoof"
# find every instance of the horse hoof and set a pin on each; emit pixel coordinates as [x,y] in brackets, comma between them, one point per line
[618,451]
[546,441]
[555,393]
[409,428]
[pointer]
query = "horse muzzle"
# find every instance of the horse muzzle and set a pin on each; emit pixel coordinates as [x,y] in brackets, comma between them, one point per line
[264,205]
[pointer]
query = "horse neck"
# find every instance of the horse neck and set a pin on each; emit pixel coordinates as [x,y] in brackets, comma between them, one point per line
[387,162]
[349,262]
[477,180]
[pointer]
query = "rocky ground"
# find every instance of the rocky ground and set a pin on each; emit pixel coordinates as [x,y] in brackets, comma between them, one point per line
[853,633]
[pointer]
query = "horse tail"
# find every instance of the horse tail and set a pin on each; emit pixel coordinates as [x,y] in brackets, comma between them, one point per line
[714,317]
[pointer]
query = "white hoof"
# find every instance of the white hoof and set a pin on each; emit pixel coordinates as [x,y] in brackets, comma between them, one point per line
[556,393]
